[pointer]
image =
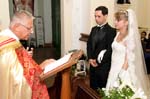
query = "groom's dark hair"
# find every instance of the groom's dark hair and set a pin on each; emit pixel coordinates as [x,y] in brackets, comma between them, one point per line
[103,9]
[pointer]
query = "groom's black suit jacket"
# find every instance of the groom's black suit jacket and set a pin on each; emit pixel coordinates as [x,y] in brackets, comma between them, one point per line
[100,38]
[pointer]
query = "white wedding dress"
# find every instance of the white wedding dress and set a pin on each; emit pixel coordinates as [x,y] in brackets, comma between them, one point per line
[118,58]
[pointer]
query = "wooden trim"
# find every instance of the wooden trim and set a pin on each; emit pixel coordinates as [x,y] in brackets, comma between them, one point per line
[84,37]
[48,45]
[85,92]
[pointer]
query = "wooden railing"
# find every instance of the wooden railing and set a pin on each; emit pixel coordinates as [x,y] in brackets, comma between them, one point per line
[84,37]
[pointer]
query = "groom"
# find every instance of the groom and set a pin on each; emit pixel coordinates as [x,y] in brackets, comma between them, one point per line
[99,41]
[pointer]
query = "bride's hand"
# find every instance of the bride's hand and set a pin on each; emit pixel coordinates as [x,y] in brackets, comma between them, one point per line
[123,74]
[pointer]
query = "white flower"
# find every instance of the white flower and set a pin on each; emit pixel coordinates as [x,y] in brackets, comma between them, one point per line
[125,90]
[124,83]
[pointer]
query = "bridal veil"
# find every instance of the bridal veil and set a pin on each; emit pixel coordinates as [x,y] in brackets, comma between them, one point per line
[137,67]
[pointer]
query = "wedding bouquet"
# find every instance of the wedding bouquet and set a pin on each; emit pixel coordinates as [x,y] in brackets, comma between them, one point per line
[122,90]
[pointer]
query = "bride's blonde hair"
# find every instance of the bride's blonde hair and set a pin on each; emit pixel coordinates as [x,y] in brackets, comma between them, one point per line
[121,15]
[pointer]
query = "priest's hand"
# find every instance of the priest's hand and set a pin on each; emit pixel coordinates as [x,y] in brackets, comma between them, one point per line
[30,51]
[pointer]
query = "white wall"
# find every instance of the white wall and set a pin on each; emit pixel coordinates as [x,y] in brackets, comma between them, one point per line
[75,19]
[80,22]
[142,14]
[86,27]
[141,9]
[108,3]
[77,16]
[66,25]
[148,14]
[4,14]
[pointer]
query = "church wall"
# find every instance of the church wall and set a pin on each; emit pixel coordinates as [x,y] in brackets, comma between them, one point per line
[142,13]
[148,17]
[66,26]
[77,16]
[4,14]
[108,3]
[81,21]
[82,12]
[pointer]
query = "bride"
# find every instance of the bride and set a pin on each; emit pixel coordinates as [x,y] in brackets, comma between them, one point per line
[127,56]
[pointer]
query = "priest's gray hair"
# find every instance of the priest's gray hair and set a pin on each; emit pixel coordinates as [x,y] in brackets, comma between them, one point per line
[21,16]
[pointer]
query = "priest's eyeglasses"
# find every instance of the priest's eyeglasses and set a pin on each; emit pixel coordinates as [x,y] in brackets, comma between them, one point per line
[28,28]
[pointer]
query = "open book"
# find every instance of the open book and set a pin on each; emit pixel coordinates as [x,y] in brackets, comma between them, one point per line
[57,63]
[61,64]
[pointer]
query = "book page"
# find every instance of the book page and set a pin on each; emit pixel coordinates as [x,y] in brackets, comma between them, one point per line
[57,63]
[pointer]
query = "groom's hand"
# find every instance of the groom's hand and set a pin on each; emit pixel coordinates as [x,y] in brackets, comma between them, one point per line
[93,62]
